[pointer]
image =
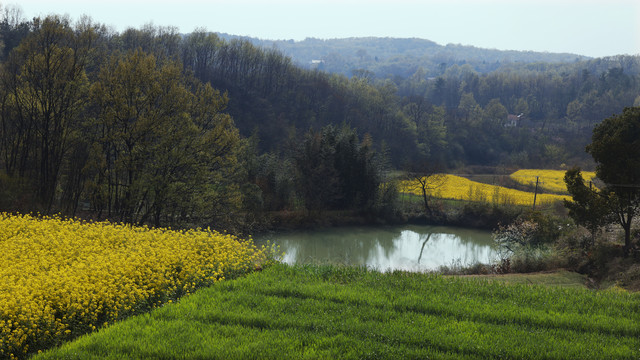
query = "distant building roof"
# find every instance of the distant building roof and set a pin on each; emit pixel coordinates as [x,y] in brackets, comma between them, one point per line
[512,120]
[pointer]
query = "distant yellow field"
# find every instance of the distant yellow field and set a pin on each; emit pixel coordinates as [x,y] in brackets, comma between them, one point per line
[550,180]
[454,187]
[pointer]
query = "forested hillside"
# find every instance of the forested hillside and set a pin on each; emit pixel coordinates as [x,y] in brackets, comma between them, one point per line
[153,126]
[526,113]
[390,57]
[465,105]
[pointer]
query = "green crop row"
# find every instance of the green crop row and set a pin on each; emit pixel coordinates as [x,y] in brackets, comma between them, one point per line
[303,312]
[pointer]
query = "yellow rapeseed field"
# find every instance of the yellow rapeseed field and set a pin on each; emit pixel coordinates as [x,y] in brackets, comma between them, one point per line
[61,278]
[447,186]
[549,180]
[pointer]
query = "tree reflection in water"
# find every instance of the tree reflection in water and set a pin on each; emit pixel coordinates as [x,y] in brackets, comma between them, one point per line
[415,248]
[422,248]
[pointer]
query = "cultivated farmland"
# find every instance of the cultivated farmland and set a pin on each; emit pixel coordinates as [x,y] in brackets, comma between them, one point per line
[447,186]
[322,312]
[549,180]
[63,278]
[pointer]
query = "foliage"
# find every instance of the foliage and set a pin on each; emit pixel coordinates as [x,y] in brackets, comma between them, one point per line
[615,147]
[530,259]
[387,57]
[325,312]
[516,235]
[13,28]
[61,143]
[559,102]
[387,207]
[337,171]
[14,193]
[163,148]
[485,215]
[127,132]
[272,96]
[45,89]
[63,278]
[430,128]
[523,245]
[588,207]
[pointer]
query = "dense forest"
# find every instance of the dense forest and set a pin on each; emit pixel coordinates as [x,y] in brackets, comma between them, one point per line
[394,57]
[464,105]
[153,126]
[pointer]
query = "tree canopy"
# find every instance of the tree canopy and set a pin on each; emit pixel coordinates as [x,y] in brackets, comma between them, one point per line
[615,147]
[152,126]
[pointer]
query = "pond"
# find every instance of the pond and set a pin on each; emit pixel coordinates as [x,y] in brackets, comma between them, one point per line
[412,248]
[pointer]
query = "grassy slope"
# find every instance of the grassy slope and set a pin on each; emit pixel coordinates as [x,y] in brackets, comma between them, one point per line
[328,312]
[562,278]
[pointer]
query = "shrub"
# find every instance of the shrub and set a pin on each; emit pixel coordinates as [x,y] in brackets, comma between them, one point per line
[530,259]
[524,245]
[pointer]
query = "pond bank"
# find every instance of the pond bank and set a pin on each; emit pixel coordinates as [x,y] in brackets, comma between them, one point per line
[471,216]
[399,247]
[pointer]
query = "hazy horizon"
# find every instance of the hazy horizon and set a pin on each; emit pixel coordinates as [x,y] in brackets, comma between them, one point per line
[592,28]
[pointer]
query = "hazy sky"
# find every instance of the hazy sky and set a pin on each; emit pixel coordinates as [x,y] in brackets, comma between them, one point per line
[587,27]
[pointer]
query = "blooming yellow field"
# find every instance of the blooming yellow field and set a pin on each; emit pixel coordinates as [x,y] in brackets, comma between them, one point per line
[61,278]
[550,180]
[446,186]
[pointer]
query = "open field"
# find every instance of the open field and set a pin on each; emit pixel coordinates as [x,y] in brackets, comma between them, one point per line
[321,312]
[561,278]
[63,278]
[549,180]
[447,186]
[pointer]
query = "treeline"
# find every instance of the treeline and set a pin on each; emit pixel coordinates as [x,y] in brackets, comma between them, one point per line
[118,126]
[560,97]
[153,126]
[452,114]
[273,98]
[557,108]
[124,131]
[401,57]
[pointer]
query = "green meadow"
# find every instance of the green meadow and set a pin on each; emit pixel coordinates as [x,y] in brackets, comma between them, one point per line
[326,312]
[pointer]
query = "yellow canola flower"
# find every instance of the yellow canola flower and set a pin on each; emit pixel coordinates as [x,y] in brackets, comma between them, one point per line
[549,180]
[61,277]
[447,186]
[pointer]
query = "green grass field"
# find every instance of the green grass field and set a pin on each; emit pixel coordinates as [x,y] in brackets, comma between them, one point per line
[322,312]
[560,278]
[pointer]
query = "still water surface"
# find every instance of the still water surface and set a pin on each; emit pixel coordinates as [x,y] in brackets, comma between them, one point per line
[413,248]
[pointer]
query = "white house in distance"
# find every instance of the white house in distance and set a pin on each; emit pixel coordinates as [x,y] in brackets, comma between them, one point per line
[513,120]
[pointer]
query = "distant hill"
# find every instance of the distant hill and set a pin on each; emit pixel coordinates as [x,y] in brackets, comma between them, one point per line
[389,57]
